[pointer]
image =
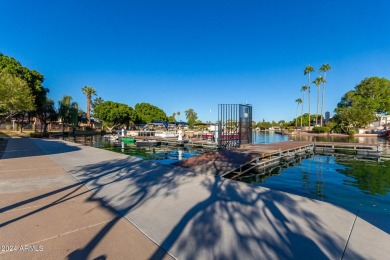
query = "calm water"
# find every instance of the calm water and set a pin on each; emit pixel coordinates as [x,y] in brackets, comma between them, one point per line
[344,181]
[347,182]
[161,154]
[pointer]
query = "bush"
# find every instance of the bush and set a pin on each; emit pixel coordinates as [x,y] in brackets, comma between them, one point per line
[321,129]
[8,127]
[39,135]
[352,132]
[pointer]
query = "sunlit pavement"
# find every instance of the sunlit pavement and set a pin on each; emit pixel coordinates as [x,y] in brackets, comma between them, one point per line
[73,201]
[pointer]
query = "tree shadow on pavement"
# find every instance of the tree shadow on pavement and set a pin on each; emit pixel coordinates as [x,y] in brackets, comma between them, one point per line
[25,147]
[235,220]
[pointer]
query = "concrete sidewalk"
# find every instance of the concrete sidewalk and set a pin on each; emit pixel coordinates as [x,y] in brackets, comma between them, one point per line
[47,214]
[192,216]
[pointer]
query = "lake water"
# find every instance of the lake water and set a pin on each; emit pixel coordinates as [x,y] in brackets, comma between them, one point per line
[350,183]
[160,154]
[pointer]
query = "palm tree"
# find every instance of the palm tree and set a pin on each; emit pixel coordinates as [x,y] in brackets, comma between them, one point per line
[303,88]
[307,71]
[318,82]
[299,101]
[324,68]
[89,92]
[67,111]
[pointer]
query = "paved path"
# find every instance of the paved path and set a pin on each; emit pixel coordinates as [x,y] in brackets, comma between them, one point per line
[190,215]
[46,214]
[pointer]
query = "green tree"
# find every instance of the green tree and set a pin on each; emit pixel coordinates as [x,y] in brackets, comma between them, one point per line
[324,68]
[32,78]
[147,113]
[114,114]
[89,92]
[307,71]
[318,82]
[360,106]
[68,112]
[47,114]
[96,102]
[172,118]
[191,116]
[303,89]
[15,97]
[299,101]
[178,114]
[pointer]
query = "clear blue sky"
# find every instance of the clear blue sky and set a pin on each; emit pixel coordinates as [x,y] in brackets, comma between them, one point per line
[198,54]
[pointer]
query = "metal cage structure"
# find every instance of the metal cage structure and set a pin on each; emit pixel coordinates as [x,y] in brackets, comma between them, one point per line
[234,125]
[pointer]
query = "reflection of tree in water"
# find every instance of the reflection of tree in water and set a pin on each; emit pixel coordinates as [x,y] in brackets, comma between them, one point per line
[370,177]
[320,182]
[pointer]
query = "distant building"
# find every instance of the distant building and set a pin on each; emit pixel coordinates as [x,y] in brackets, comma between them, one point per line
[327,116]
[381,122]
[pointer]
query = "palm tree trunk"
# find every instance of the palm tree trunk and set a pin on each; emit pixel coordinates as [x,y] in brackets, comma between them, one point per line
[323,93]
[88,109]
[303,102]
[296,117]
[308,81]
[318,101]
[322,104]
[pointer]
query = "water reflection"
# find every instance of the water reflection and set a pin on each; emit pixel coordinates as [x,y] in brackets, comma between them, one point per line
[358,184]
[161,154]
[371,177]
[272,137]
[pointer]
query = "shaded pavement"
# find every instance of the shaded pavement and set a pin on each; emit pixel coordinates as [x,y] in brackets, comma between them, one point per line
[190,215]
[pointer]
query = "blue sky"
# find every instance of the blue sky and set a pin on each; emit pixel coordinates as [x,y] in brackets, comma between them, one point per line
[198,54]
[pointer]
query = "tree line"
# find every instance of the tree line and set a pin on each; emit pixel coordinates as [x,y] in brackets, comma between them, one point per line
[23,99]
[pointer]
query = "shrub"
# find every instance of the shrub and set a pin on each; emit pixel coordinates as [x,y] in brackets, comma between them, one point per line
[352,132]
[321,129]
[39,135]
[8,127]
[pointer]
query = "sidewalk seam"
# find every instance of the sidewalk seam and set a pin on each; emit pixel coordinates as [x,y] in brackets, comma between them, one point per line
[78,181]
[350,233]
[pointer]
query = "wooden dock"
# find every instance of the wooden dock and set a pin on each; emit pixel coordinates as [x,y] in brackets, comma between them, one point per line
[242,160]
[351,148]
[259,157]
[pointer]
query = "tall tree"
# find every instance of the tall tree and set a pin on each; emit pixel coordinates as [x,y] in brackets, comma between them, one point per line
[299,101]
[47,114]
[318,82]
[15,97]
[307,72]
[324,68]
[147,113]
[191,116]
[178,114]
[359,107]
[114,114]
[303,89]
[89,92]
[32,78]
[68,112]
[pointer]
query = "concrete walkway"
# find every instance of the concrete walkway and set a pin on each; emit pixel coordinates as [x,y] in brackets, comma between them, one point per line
[190,215]
[46,214]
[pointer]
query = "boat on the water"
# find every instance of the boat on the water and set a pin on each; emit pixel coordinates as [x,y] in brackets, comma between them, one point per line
[110,137]
[127,139]
[147,143]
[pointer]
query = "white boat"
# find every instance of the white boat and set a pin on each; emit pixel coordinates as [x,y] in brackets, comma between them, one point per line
[110,137]
[165,134]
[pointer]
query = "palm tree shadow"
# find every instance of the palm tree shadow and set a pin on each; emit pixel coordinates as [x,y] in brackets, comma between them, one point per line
[240,221]
[123,185]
